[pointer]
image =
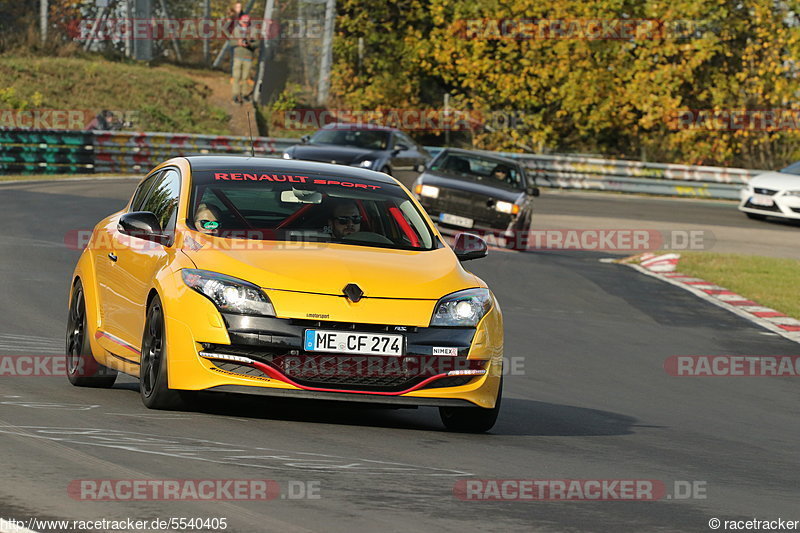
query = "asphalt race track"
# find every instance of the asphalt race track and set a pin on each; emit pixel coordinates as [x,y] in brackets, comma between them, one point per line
[588,399]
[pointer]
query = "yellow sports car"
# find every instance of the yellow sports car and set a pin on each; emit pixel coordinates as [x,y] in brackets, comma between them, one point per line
[285,278]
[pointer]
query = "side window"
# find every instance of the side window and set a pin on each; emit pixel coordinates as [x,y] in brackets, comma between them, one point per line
[402,138]
[141,192]
[163,199]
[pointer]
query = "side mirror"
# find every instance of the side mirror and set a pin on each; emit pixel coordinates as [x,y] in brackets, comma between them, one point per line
[305,138]
[142,225]
[533,191]
[400,147]
[469,246]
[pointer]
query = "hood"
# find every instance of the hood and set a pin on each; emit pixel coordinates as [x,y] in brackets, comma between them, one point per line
[474,186]
[776,180]
[324,268]
[329,153]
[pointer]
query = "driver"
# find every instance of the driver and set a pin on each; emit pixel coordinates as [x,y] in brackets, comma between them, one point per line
[501,172]
[206,219]
[345,219]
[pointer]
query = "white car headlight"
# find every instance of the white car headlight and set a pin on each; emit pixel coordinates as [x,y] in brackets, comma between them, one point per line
[462,308]
[230,295]
[287,155]
[430,191]
[367,163]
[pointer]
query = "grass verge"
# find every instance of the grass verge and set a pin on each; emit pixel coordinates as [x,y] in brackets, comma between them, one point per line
[161,98]
[771,282]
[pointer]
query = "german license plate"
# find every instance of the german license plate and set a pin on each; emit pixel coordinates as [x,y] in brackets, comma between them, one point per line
[456,220]
[762,199]
[317,340]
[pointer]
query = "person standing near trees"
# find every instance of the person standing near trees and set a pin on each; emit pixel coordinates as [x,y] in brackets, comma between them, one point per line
[244,43]
[234,14]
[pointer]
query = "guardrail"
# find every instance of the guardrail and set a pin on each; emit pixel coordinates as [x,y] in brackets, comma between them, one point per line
[43,152]
[88,152]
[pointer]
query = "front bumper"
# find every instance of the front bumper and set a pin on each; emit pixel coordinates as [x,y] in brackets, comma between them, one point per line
[265,356]
[783,206]
[484,218]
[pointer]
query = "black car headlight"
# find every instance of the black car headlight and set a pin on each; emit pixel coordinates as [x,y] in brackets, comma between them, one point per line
[462,308]
[230,295]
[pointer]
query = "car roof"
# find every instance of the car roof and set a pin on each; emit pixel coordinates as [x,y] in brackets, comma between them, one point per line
[276,165]
[347,126]
[493,157]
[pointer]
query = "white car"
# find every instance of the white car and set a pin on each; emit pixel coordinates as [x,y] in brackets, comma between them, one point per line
[773,194]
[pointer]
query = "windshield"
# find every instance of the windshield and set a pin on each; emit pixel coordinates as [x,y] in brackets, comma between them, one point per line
[794,168]
[482,168]
[251,204]
[370,139]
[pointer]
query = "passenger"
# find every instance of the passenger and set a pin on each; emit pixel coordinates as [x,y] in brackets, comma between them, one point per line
[207,219]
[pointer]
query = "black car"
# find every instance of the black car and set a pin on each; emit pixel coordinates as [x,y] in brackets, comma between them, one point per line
[477,192]
[380,148]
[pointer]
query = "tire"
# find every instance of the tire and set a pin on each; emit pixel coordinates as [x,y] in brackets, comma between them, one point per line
[471,419]
[756,216]
[83,370]
[153,368]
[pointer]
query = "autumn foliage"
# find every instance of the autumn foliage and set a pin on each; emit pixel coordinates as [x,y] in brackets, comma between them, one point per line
[609,77]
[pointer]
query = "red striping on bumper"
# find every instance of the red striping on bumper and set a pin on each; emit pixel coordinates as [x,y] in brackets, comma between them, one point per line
[276,374]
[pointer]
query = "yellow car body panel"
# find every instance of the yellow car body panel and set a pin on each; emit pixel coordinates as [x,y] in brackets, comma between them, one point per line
[303,281]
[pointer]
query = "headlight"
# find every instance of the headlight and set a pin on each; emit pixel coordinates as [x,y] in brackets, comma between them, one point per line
[462,308]
[430,191]
[287,155]
[229,294]
[792,193]
[367,163]
[507,207]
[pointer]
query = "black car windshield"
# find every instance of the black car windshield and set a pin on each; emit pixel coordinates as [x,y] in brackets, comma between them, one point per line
[483,168]
[370,139]
[794,168]
[261,205]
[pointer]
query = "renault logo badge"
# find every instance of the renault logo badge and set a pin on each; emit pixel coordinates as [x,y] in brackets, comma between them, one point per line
[353,292]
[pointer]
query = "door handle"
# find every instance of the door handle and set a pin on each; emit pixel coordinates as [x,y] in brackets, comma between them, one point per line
[112,256]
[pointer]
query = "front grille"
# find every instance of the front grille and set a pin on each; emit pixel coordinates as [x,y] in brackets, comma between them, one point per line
[762,207]
[455,381]
[349,372]
[768,192]
[244,370]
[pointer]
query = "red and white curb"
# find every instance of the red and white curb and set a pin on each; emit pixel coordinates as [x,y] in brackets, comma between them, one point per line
[664,267]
